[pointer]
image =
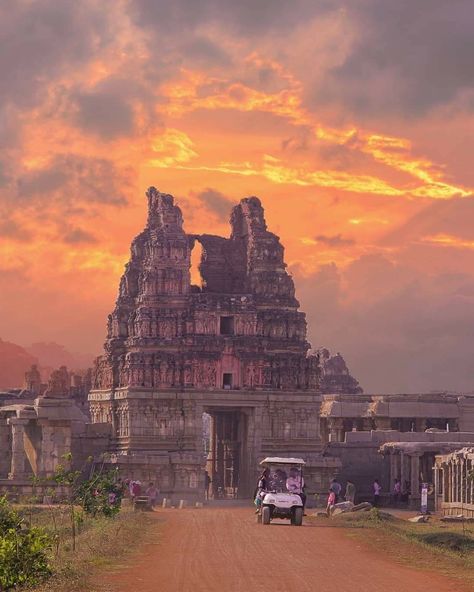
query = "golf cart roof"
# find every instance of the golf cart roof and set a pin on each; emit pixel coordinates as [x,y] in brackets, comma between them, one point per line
[278,460]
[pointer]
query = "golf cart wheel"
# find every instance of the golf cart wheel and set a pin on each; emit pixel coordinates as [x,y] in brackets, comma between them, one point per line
[266,515]
[298,517]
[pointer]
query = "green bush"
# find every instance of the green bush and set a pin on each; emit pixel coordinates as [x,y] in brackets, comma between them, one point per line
[23,551]
[23,557]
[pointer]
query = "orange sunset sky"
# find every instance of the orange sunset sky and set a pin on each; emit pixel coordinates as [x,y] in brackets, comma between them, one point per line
[352,121]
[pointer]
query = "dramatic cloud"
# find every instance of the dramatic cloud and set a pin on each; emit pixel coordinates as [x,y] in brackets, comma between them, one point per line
[353,123]
[407,57]
[42,39]
[70,179]
[105,114]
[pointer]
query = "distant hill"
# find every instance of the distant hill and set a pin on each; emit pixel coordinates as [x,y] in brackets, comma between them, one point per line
[14,362]
[54,355]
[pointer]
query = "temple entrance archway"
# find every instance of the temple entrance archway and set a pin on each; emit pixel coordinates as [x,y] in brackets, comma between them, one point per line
[227,462]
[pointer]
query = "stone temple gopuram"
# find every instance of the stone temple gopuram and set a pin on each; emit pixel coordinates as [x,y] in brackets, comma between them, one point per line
[231,353]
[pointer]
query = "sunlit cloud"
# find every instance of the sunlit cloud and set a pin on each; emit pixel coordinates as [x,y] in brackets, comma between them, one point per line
[195,90]
[446,240]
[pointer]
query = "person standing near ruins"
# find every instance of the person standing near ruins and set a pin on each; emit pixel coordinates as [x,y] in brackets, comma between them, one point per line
[397,492]
[152,492]
[207,484]
[331,502]
[336,487]
[350,492]
[135,489]
[377,488]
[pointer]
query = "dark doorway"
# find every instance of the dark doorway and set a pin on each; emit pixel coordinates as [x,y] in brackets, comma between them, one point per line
[226,462]
[227,326]
[227,380]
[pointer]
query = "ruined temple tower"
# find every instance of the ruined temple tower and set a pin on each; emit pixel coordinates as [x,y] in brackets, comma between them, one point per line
[233,350]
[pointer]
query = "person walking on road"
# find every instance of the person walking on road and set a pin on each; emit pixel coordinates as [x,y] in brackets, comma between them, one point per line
[350,492]
[261,488]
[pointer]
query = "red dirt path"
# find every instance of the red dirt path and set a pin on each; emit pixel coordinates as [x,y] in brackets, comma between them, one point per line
[224,550]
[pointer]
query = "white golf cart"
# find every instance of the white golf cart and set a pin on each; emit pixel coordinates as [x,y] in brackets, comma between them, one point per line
[280,499]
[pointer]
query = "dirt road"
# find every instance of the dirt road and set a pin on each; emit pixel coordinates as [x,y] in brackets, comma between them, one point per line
[224,550]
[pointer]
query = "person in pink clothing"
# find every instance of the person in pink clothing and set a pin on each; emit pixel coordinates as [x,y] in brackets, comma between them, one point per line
[331,501]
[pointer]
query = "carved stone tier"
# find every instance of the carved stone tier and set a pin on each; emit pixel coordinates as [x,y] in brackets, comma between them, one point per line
[234,348]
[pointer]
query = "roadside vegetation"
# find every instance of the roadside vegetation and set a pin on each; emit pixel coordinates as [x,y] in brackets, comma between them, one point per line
[56,546]
[434,545]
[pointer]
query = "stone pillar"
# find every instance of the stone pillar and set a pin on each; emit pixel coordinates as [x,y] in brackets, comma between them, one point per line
[332,430]
[48,461]
[17,467]
[415,476]
[471,487]
[393,469]
[452,480]
[403,474]
[436,487]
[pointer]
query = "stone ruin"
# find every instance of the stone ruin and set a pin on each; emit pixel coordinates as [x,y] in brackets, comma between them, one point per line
[43,423]
[234,348]
[335,376]
[219,375]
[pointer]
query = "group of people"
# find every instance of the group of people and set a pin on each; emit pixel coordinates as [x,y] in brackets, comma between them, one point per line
[399,494]
[136,489]
[279,481]
[335,493]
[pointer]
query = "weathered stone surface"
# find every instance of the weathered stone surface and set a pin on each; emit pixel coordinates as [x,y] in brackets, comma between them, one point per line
[341,508]
[244,321]
[362,507]
[421,519]
[335,375]
[234,347]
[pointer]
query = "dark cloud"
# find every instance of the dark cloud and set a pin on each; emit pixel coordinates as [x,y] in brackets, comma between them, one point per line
[336,240]
[216,202]
[107,109]
[39,39]
[407,57]
[72,178]
[11,229]
[246,17]
[43,181]
[204,51]
[106,114]
[400,330]
[4,178]
[75,236]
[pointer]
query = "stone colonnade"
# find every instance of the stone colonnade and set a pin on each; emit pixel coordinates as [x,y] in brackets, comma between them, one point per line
[454,485]
[36,447]
[18,455]
[406,467]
